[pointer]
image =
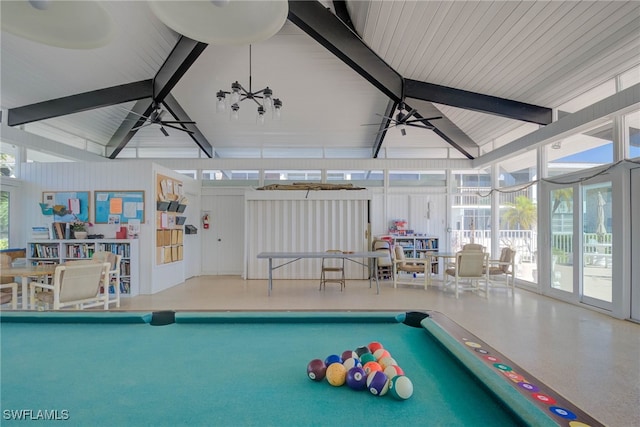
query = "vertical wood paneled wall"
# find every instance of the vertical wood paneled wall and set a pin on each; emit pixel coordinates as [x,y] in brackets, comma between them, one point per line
[304,226]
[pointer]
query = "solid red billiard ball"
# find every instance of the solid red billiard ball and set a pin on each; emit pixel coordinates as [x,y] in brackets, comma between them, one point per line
[316,370]
[374,346]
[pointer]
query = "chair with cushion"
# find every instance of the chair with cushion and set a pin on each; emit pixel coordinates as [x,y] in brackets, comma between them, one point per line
[114,261]
[77,285]
[406,270]
[6,291]
[473,247]
[332,270]
[503,268]
[470,268]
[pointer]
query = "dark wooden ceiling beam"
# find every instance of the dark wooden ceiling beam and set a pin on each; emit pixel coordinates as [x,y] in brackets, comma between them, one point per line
[382,130]
[183,55]
[477,102]
[178,112]
[80,102]
[328,30]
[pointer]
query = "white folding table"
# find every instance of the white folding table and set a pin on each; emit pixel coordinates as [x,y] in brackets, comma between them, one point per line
[349,256]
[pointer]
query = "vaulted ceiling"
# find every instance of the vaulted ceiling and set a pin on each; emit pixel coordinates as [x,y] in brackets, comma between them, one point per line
[486,67]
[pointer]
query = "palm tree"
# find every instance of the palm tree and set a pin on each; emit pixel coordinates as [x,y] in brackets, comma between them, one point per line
[562,195]
[522,214]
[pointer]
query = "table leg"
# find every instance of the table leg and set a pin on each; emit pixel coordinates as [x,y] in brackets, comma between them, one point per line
[25,293]
[375,272]
[270,284]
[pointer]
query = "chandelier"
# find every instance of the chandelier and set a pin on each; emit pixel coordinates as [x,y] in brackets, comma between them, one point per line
[263,98]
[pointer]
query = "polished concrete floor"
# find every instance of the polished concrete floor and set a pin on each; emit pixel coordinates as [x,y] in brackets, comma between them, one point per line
[590,358]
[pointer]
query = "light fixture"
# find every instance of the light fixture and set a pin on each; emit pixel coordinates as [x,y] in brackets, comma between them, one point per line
[223,22]
[56,23]
[556,145]
[264,98]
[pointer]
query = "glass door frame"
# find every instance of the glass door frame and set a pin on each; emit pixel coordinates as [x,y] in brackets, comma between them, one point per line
[545,223]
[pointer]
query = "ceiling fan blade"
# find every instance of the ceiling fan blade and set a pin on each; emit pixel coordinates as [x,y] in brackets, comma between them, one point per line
[423,125]
[141,126]
[385,117]
[177,128]
[177,122]
[164,131]
[409,115]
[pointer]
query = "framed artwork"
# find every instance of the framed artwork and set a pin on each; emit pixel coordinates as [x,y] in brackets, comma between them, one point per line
[67,206]
[118,207]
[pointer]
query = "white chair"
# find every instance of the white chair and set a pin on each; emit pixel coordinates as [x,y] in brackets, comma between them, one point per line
[114,261]
[385,263]
[332,270]
[406,270]
[75,285]
[504,267]
[470,267]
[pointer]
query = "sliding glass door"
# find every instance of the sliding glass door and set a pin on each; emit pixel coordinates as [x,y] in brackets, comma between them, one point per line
[581,243]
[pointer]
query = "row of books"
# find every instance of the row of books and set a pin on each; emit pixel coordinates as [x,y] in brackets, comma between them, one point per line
[60,230]
[44,251]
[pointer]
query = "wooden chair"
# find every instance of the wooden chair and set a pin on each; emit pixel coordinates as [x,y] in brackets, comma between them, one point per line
[75,285]
[406,270]
[503,267]
[335,269]
[114,261]
[9,294]
[470,267]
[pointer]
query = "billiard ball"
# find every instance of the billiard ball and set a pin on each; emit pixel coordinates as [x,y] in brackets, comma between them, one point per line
[351,362]
[401,387]
[357,378]
[334,358]
[393,370]
[375,345]
[386,362]
[377,383]
[367,357]
[370,367]
[336,374]
[348,354]
[362,350]
[316,370]
[380,353]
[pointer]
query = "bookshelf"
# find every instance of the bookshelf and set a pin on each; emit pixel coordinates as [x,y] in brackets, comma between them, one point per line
[59,251]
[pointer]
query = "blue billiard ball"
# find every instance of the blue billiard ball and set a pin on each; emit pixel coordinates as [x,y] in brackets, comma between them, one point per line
[357,378]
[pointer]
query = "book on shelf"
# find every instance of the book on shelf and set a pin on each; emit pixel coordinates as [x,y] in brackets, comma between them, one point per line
[40,233]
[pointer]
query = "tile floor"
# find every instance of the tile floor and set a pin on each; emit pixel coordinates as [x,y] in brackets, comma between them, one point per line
[590,358]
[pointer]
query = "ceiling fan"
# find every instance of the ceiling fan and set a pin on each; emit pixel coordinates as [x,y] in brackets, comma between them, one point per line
[405,119]
[155,118]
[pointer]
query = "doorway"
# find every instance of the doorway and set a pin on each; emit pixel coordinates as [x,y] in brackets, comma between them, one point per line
[581,255]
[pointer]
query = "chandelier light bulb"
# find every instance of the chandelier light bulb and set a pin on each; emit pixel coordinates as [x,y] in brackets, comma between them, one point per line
[235,115]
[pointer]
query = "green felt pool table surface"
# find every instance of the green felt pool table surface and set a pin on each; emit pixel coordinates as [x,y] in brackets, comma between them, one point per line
[249,368]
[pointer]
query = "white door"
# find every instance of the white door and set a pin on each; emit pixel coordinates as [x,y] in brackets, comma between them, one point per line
[223,242]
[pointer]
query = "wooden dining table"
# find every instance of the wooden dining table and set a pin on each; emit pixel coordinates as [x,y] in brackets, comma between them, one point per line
[26,273]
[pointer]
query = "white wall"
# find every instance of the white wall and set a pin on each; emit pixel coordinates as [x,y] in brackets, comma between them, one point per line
[107,176]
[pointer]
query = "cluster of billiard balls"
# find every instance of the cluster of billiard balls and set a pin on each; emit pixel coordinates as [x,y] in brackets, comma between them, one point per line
[368,367]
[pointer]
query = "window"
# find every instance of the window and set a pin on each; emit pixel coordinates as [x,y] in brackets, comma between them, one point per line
[433,178]
[581,151]
[368,178]
[4,219]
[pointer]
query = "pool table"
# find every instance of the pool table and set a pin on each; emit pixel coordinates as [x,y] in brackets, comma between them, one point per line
[249,368]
